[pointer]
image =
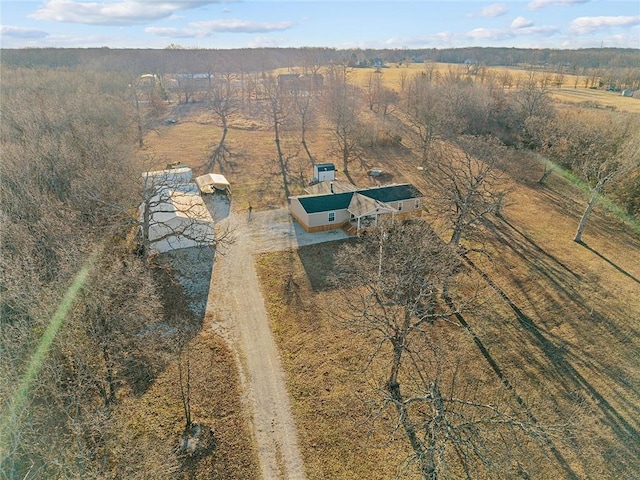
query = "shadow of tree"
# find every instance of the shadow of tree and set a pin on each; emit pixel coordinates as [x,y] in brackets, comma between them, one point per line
[626,433]
[617,267]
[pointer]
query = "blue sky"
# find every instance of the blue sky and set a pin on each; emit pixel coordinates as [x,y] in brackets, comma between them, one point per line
[318,23]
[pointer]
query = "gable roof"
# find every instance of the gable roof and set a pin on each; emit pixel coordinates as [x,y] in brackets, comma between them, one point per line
[341,201]
[392,193]
[361,206]
[325,203]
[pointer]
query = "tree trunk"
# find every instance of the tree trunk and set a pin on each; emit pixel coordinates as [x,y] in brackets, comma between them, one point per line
[585,216]
[283,166]
[185,391]
[547,171]
[425,459]
[218,153]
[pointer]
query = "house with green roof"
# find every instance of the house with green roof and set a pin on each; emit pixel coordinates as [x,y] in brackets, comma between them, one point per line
[360,207]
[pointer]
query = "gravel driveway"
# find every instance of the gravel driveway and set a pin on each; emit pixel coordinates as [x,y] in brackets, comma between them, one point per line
[236,310]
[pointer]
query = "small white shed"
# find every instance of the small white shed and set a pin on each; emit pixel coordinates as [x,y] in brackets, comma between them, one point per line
[324,172]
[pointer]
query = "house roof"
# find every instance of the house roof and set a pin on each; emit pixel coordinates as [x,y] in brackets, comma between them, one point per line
[392,193]
[167,177]
[340,201]
[361,206]
[325,167]
[170,203]
[325,203]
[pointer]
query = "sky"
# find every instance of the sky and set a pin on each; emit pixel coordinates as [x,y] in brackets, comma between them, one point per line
[378,24]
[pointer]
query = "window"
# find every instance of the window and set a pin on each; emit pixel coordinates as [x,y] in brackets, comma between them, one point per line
[332,216]
[399,206]
[417,204]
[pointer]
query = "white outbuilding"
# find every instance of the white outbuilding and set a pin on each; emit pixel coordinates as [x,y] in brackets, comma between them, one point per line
[323,172]
[210,182]
[169,177]
[178,219]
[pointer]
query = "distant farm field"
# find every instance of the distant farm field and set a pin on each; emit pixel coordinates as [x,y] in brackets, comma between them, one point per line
[571,91]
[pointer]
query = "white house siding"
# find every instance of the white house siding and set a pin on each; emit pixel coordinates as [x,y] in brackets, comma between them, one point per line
[320,221]
[316,221]
[408,205]
[298,212]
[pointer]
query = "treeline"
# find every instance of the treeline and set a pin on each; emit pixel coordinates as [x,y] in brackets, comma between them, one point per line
[251,59]
[69,184]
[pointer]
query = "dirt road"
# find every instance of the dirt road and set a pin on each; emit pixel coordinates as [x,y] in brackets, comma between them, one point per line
[237,310]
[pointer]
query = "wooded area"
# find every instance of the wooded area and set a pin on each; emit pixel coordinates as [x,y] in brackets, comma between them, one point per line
[89,323]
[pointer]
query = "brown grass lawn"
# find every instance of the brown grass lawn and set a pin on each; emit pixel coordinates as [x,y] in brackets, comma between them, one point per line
[154,422]
[567,337]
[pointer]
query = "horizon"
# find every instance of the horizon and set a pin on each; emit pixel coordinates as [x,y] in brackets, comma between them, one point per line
[354,24]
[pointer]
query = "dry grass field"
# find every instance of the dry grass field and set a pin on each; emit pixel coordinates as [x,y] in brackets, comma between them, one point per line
[560,323]
[567,338]
[572,90]
[153,421]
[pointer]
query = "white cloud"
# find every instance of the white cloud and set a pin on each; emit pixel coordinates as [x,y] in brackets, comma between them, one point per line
[120,12]
[207,28]
[521,22]
[481,36]
[241,26]
[489,34]
[584,25]
[21,32]
[174,32]
[538,4]
[494,10]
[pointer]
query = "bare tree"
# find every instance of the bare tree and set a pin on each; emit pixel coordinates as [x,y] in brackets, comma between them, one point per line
[424,114]
[600,148]
[64,164]
[397,277]
[342,110]
[467,179]
[277,107]
[223,99]
[304,104]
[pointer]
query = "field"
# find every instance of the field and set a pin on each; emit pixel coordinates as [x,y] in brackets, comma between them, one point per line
[571,90]
[560,321]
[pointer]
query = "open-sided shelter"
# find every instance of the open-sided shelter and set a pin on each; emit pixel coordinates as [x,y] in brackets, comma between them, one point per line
[209,182]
